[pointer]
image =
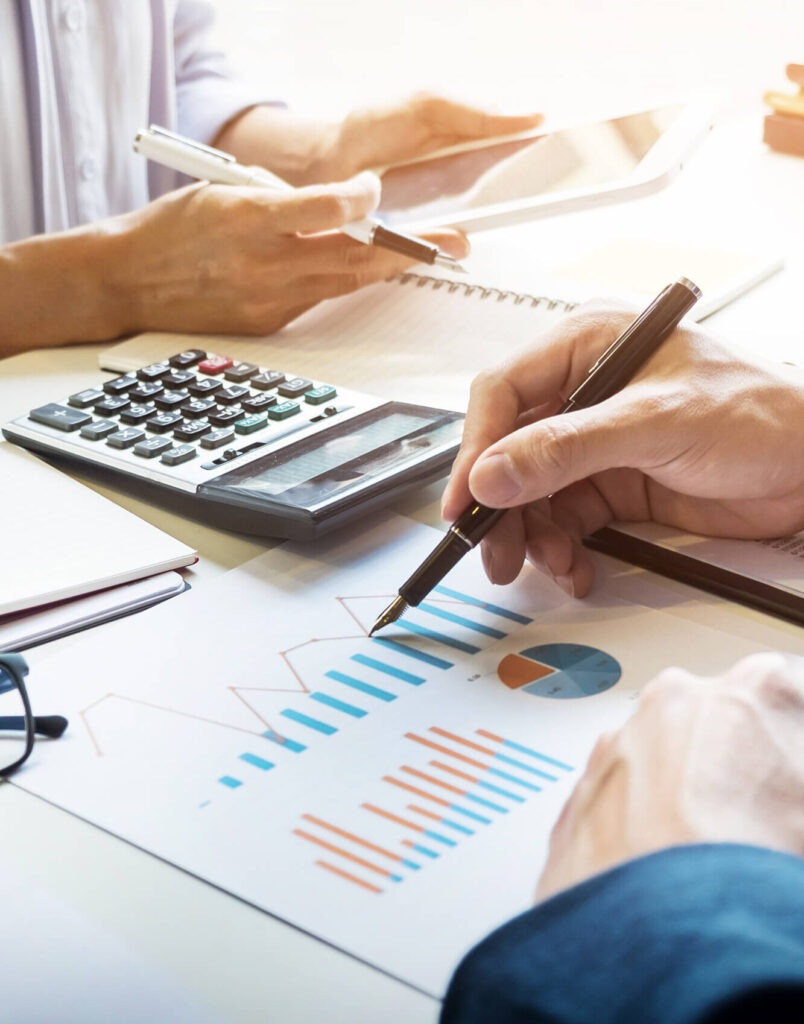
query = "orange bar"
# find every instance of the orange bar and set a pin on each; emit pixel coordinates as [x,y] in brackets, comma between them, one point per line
[343,853]
[347,876]
[421,810]
[352,836]
[413,789]
[454,771]
[436,782]
[489,735]
[444,750]
[392,817]
[457,739]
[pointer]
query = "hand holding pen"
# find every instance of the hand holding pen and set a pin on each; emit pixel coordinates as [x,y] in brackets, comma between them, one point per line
[580,368]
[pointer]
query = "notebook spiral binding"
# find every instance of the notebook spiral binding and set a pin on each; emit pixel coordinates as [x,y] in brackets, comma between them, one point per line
[481,292]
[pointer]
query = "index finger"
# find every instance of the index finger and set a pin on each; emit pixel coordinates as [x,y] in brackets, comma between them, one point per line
[537,380]
[319,207]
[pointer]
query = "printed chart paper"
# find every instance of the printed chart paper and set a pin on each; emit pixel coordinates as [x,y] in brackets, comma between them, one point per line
[393,796]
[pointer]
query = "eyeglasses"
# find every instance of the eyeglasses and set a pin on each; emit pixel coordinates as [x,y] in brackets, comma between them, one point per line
[18,725]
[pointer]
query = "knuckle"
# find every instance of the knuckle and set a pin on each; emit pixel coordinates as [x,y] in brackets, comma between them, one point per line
[550,449]
[777,681]
[669,682]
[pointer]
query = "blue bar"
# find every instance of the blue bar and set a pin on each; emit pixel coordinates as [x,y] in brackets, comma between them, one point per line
[357,684]
[411,864]
[227,780]
[423,849]
[524,767]
[441,638]
[458,828]
[503,792]
[339,705]
[459,620]
[502,612]
[429,659]
[258,762]
[487,803]
[311,723]
[395,878]
[389,670]
[535,753]
[470,814]
[513,778]
[438,838]
[283,741]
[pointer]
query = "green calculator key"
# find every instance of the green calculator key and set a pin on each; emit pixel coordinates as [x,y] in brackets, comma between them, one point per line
[249,424]
[321,394]
[283,410]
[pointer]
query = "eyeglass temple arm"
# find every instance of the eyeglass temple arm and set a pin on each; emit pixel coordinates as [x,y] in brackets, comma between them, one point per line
[46,725]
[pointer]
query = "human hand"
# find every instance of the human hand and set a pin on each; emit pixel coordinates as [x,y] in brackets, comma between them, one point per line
[419,125]
[211,258]
[703,439]
[700,761]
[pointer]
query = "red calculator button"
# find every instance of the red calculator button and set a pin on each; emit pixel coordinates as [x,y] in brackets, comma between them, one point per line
[215,364]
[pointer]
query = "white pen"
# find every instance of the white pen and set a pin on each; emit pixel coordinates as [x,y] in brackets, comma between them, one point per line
[208,164]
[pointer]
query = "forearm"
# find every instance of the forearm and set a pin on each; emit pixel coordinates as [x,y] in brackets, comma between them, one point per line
[291,146]
[58,289]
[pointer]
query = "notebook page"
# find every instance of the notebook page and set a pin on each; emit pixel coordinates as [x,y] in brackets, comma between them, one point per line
[414,338]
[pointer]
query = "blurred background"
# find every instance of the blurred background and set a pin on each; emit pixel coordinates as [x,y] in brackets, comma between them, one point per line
[565,57]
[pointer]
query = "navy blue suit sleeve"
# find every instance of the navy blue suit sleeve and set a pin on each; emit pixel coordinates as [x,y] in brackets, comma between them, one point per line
[708,933]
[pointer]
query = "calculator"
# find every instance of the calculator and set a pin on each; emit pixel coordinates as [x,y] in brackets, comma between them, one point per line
[245,447]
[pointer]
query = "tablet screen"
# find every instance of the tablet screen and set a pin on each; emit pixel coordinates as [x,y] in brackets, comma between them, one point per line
[588,155]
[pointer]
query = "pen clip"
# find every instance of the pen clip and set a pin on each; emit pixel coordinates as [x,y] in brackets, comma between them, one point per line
[155,129]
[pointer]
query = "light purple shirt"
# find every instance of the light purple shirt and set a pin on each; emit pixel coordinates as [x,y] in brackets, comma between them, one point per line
[78,78]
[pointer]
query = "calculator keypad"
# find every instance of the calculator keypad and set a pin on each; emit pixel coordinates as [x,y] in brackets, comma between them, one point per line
[167,410]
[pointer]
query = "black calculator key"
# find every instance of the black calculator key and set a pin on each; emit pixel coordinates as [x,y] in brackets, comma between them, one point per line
[153,372]
[178,379]
[152,447]
[137,412]
[205,386]
[215,438]
[83,399]
[170,399]
[258,403]
[241,372]
[98,429]
[187,358]
[145,391]
[267,379]
[181,453]
[112,404]
[195,407]
[126,437]
[119,385]
[189,430]
[62,417]
[294,387]
[232,394]
[163,421]
[225,417]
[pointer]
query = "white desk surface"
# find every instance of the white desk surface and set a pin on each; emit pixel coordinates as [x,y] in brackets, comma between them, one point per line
[240,964]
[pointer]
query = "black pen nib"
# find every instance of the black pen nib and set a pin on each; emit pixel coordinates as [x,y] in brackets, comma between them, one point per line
[395,610]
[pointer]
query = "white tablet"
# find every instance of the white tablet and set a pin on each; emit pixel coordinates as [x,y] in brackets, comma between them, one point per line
[491,184]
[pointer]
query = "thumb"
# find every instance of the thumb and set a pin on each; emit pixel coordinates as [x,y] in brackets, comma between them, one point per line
[549,455]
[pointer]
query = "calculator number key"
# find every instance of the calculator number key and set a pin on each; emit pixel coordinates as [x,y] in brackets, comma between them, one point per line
[161,422]
[193,408]
[136,413]
[189,357]
[153,372]
[234,393]
[179,454]
[178,379]
[62,417]
[145,391]
[170,399]
[111,404]
[204,386]
[152,447]
[294,387]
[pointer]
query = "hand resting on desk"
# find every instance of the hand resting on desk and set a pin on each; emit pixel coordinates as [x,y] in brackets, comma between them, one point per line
[704,439]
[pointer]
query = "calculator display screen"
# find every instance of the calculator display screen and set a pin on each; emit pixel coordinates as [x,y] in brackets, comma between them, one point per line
[329,464]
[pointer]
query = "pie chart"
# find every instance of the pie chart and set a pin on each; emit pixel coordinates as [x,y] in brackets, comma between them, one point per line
[560,671]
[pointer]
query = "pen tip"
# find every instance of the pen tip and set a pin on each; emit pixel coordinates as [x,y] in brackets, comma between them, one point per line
[443,259]
[395,610]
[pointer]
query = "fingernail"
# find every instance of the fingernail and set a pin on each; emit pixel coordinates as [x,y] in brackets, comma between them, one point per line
[494,480]
[566,584]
